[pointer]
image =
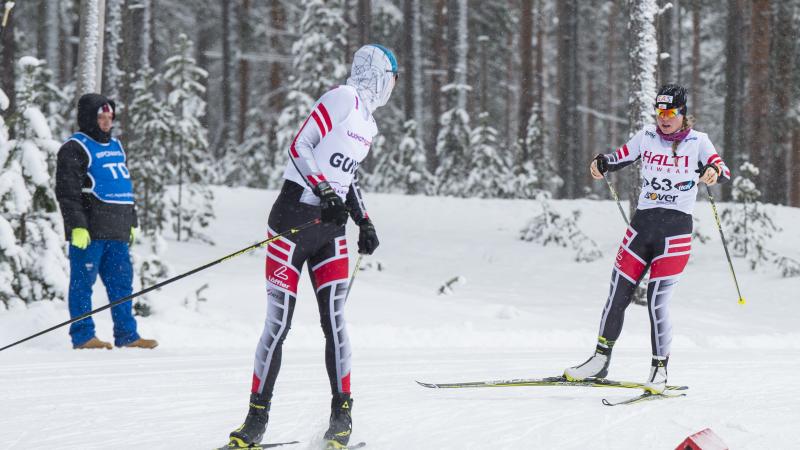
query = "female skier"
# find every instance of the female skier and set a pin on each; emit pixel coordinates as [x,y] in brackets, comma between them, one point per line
[320,182]
[675,158]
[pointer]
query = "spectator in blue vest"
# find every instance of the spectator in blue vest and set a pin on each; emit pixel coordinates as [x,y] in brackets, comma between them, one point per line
[94,191]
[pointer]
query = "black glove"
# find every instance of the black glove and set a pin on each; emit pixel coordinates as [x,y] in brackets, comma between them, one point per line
[602,163]
[333,209]
[701,169]
[367,238]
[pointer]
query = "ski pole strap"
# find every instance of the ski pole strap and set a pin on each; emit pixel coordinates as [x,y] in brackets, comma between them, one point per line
[616,198]
[724,243]
[263,243]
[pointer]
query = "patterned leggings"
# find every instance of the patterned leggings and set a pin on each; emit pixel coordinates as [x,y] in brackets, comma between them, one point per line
[658,239]
[324,248]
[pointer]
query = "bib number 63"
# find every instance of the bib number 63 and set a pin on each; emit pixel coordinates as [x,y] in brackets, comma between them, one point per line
[664,185]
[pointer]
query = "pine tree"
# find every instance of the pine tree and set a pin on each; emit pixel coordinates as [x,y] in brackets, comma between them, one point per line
[147,154]
[490,176]
[188,159]
[147,160]
[550,227]
[453,147]
[255,163]
[33,265]
[535,174]
[317,64]
[749,224]
[403,170]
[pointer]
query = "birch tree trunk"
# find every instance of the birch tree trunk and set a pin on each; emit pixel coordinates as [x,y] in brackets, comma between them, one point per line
[643,63]
[90,49]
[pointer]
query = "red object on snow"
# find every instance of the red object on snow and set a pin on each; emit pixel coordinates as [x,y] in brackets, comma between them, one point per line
[702,440]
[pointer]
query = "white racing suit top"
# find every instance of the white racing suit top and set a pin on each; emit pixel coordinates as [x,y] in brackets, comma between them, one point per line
[330,145]
[668,181]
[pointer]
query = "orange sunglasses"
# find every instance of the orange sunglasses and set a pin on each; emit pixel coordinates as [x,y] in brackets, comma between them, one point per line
[668,113]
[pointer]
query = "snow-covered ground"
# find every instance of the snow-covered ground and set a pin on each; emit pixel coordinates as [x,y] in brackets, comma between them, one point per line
[524,311]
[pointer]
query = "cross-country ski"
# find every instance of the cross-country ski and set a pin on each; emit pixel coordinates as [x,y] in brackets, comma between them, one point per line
[548,381]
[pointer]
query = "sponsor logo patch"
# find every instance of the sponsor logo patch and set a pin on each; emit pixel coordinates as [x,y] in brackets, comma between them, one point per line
[281,273]
[684,186]
[664,99]
[666,198]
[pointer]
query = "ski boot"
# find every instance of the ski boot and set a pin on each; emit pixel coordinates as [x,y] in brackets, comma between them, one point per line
[251,432]
[341,423]
[657,382]
[594,367]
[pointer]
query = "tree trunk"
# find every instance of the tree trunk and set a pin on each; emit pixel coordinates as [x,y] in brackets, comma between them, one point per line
[540,35]
[438,72]
[244,66]
[277,19]
[364,22]
[408,60]
[153,41]
[511,96]
[7,77]
[796,163]
[90,48]
[782,69]
[643,64]
[677,45]
[758,82]
[611,94]
[592,73]
[225,87]
[734,82]
[568,141]
[418,85]
[526,77]
[130,60]
[144,54]
[65,50]
[483,41]
[457,48]
[697,89]
[665,57]
[203,42]
[462,50]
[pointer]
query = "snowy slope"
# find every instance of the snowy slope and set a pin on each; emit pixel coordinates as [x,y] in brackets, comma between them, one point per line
[525,311]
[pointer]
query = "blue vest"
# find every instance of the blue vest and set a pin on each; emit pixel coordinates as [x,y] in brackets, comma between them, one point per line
[111,181]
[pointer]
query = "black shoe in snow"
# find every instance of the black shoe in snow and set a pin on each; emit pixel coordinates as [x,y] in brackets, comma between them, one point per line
[341,423]
[252,430]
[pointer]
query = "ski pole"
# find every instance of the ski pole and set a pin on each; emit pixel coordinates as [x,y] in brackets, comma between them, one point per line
[724,243]
[263,243]
[353,277]
[616,198]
